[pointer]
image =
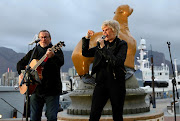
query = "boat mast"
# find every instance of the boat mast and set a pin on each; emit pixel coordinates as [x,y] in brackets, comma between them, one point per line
[142,48]
[175,65]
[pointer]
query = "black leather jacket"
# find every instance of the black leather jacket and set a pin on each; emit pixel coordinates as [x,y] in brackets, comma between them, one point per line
[108,62]
[51,83]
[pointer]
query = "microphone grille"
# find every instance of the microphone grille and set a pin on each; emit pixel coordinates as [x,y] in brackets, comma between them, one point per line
[103,37]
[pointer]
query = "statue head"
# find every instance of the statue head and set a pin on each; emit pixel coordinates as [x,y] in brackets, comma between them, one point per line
[123,12]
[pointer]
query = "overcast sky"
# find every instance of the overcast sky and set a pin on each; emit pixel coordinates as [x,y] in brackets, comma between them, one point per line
[157,21]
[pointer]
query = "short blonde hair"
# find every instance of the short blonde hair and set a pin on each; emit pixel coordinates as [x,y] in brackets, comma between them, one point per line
[113,24]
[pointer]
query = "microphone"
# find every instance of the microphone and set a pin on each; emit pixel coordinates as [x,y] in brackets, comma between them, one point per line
[168,43]
[35,41]
[103,37]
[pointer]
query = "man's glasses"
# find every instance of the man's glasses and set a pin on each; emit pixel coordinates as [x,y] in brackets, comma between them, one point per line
[44,37]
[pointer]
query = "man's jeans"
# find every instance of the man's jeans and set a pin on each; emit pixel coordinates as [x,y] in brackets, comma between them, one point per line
[37,103]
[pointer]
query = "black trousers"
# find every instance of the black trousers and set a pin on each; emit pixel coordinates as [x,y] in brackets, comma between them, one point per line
[100,98]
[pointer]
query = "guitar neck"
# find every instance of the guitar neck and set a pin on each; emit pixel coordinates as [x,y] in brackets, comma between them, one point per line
[39,62]
[44,58]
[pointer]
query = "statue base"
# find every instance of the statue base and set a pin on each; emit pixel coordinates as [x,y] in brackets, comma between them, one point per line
[154,115]
[81,99]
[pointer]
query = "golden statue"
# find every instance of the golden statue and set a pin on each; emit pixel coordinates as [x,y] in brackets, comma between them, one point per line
[81,100]
[82,63]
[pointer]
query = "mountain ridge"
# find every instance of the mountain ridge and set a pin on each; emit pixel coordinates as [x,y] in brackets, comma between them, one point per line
[9,59]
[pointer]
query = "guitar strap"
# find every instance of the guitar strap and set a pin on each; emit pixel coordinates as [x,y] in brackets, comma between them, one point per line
[45,59]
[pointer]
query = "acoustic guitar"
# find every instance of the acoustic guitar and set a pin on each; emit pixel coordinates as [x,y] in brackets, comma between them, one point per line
[36,70]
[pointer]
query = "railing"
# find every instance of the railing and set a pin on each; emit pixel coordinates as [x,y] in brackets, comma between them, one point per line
[11,105]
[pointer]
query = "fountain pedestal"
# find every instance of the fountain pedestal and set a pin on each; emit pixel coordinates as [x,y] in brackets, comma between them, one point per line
[135,107]
[134,101]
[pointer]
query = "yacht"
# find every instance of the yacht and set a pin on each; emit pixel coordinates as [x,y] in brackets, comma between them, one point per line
[161,73]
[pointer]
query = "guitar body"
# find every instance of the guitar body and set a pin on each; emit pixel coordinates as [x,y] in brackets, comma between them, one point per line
[32,86]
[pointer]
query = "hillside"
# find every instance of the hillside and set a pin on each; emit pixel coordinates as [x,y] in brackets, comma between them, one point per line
[9,58]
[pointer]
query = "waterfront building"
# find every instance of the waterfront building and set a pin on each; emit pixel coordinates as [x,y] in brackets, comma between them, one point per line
[9,79]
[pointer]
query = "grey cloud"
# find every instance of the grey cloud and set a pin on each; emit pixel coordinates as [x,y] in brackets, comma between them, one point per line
[69,20]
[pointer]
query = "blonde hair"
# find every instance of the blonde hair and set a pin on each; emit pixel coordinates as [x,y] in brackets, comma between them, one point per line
[113,24]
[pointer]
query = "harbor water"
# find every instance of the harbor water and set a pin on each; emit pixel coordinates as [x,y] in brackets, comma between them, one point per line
[11,100]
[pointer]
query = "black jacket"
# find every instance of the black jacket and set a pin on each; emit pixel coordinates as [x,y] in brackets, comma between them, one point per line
[108,62]
[51,83]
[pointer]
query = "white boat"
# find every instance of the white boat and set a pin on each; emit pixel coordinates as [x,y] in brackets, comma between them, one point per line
[161,73]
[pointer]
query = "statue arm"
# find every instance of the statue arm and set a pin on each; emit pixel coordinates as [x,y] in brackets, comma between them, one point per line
[85,48]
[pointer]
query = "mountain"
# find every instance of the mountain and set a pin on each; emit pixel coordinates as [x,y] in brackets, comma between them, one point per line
[9,59]
[67,61]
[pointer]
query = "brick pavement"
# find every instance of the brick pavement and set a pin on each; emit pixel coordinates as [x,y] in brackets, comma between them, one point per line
[171,118]
[161,105]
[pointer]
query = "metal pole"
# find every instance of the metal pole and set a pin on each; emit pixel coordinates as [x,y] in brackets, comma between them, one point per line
[152,67]
[153,90]
[173,81]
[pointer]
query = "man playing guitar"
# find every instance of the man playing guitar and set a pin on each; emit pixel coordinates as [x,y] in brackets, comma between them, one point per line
[49,90]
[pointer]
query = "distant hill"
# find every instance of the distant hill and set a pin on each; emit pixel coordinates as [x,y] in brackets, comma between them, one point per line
[9,59]
[67,61]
